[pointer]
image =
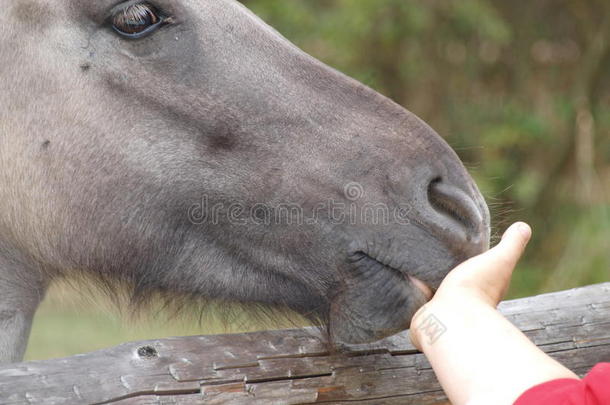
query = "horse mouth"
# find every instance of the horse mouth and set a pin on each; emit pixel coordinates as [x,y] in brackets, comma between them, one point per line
[421,285]
[376,299]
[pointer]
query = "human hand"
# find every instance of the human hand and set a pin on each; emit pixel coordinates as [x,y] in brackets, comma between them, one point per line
[476,353]
[481,280]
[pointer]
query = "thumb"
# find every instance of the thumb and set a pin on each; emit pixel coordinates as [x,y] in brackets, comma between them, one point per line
[507,253]
[489,274]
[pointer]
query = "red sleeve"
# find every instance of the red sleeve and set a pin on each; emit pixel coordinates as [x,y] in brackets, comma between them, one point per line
[594,389]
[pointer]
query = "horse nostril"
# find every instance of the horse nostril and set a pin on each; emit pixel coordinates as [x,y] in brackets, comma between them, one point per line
[452,202]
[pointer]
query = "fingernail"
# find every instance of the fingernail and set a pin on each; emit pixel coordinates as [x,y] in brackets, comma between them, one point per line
[525,229]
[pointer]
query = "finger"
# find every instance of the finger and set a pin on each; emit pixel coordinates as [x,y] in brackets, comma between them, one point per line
[508,252]
[505,254]
[491,271]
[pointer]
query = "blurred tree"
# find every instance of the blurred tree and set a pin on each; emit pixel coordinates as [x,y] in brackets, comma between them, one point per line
[520,89]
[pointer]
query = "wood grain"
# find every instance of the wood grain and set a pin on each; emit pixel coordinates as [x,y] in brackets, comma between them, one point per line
[286,367]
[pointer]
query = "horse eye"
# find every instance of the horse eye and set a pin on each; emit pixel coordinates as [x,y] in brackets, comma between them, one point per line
[136,20]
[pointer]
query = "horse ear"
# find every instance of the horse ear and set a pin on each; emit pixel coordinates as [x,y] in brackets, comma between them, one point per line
[374,301]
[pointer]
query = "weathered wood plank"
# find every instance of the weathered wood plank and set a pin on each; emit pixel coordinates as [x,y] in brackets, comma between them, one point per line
[294,366]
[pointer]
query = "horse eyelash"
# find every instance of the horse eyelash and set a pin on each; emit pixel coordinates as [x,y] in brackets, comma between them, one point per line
[164,18]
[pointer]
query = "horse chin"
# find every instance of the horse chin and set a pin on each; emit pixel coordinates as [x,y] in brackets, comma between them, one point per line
[374,301]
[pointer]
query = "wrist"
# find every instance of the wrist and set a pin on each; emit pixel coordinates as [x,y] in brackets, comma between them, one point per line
[462,311]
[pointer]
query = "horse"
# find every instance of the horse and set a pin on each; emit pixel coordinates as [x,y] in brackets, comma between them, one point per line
[184,148]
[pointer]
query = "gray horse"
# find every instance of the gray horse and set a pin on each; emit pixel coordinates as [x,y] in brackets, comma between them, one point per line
[184,148]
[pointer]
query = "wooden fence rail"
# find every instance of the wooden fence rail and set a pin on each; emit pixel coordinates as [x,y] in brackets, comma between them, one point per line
[294,366]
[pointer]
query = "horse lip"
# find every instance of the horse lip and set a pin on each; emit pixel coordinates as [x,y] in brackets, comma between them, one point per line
[427,290]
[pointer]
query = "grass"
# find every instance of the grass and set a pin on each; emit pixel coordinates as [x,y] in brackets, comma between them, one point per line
[69,322]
